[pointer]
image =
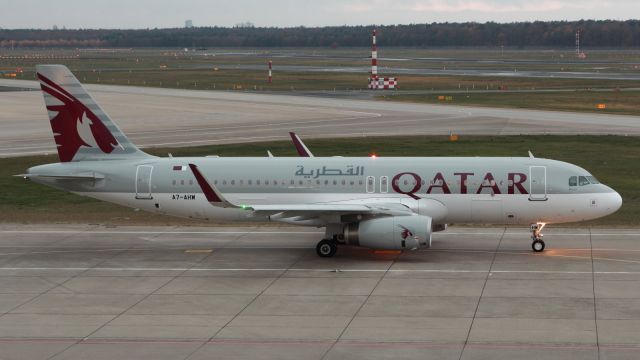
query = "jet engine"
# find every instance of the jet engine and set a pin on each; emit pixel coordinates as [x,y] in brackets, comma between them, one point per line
[390,233]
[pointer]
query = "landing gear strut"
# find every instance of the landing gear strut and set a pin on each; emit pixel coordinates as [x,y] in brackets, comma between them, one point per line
[536,236]
[326,248]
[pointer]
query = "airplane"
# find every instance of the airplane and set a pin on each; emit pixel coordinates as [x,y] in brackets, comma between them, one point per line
[391,203]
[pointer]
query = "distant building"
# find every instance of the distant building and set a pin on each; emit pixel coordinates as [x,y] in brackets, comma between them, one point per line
[188,24]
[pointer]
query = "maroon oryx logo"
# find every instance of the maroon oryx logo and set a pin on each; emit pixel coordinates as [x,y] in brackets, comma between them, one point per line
[405,234]
[75,125]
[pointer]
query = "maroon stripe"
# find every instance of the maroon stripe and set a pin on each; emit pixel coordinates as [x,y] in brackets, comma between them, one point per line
[204,185]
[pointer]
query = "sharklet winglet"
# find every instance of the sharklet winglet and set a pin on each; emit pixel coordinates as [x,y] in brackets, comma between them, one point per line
[302,149]
[214,197]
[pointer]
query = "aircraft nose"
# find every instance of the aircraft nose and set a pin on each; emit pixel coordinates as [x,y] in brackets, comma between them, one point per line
[614,202]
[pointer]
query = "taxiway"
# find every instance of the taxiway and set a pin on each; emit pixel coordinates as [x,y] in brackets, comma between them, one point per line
[79,292]
[160,117]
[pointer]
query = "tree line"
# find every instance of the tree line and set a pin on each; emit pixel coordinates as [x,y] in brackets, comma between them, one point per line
[605,33]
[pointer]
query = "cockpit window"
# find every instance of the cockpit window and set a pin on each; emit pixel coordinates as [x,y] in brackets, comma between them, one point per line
[582,180]
[573,181]
[593,180]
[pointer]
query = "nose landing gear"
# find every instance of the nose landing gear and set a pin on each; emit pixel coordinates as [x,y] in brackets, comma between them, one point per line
[537,244]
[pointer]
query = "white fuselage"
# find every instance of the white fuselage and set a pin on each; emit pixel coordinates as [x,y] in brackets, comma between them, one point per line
[265,181]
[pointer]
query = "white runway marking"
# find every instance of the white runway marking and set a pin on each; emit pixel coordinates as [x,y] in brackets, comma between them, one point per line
[182,269]
[281,232]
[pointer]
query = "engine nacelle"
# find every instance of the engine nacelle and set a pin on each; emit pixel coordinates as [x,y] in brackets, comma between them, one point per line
[390,233]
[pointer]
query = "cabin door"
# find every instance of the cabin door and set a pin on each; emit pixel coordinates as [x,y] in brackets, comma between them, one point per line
[538,183]
[143,182]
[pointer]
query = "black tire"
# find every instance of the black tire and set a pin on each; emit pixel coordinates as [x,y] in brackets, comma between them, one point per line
[326,248]
[537,245]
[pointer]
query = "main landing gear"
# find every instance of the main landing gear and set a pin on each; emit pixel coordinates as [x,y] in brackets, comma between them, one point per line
[326,248]
[536,236]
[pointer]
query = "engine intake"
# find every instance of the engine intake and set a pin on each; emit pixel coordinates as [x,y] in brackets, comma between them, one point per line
[390,233]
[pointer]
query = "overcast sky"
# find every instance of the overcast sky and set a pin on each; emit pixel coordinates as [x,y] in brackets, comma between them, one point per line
[172,13]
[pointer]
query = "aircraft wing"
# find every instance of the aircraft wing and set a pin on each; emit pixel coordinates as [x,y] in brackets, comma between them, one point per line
[390,209]
[215,198]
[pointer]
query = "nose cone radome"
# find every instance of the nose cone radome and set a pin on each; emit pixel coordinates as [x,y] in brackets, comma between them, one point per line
[613,202]
[617,202]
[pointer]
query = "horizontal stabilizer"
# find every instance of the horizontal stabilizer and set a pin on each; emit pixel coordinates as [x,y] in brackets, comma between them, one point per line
[79,176]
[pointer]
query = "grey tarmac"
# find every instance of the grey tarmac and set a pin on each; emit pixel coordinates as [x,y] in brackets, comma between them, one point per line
[160,117]
[89,291]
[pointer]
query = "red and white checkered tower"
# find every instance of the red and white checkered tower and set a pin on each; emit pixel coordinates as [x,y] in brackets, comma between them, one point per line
[270,77]
[374,58]
[375,82]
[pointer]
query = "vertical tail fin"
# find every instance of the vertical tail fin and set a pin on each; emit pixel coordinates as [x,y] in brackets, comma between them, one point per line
[81,129]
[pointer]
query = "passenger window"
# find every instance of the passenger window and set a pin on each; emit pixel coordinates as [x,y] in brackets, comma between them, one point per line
[573,181]
[582,180]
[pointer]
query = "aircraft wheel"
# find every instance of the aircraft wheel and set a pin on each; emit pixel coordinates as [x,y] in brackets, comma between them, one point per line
[537,245]
[326,248]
